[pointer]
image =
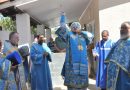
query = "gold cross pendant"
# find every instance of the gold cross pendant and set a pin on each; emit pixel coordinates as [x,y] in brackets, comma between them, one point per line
[80,47]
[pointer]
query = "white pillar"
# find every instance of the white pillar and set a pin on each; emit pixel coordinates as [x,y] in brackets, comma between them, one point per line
[23,28]
[47,34]
[40,29]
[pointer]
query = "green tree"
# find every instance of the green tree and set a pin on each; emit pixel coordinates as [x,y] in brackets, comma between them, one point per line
[8,24]
[33,30]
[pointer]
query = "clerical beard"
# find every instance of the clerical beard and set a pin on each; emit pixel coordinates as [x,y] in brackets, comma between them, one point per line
[40,42]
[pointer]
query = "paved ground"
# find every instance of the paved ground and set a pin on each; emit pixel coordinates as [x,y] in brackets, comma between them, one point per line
[56,66]
[91,86]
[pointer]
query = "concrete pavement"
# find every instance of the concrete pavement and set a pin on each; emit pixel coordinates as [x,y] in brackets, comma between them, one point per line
[56,67]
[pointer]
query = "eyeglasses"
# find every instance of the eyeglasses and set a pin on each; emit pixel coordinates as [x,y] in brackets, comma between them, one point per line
[75,28]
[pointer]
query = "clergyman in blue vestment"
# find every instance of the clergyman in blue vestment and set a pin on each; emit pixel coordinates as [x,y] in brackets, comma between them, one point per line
[118,61]
[75,68]
[101,51]
[9,64]
[40,72]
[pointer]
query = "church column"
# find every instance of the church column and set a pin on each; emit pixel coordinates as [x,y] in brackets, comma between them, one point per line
[23,28]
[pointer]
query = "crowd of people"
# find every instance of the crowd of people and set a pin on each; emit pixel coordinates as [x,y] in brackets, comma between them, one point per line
[113,69]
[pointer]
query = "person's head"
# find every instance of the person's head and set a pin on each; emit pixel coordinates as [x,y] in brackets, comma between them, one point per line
[14,38]
[36,38]
[75,27]
[40,39]
[125,30]
[105,35]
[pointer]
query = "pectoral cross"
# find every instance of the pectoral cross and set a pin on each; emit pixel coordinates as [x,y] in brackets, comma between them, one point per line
[80,47]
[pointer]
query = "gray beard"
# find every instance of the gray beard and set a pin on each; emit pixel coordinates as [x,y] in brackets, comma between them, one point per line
[125,36]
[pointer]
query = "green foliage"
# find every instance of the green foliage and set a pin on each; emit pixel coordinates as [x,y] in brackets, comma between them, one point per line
[8,24]
[33,30]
